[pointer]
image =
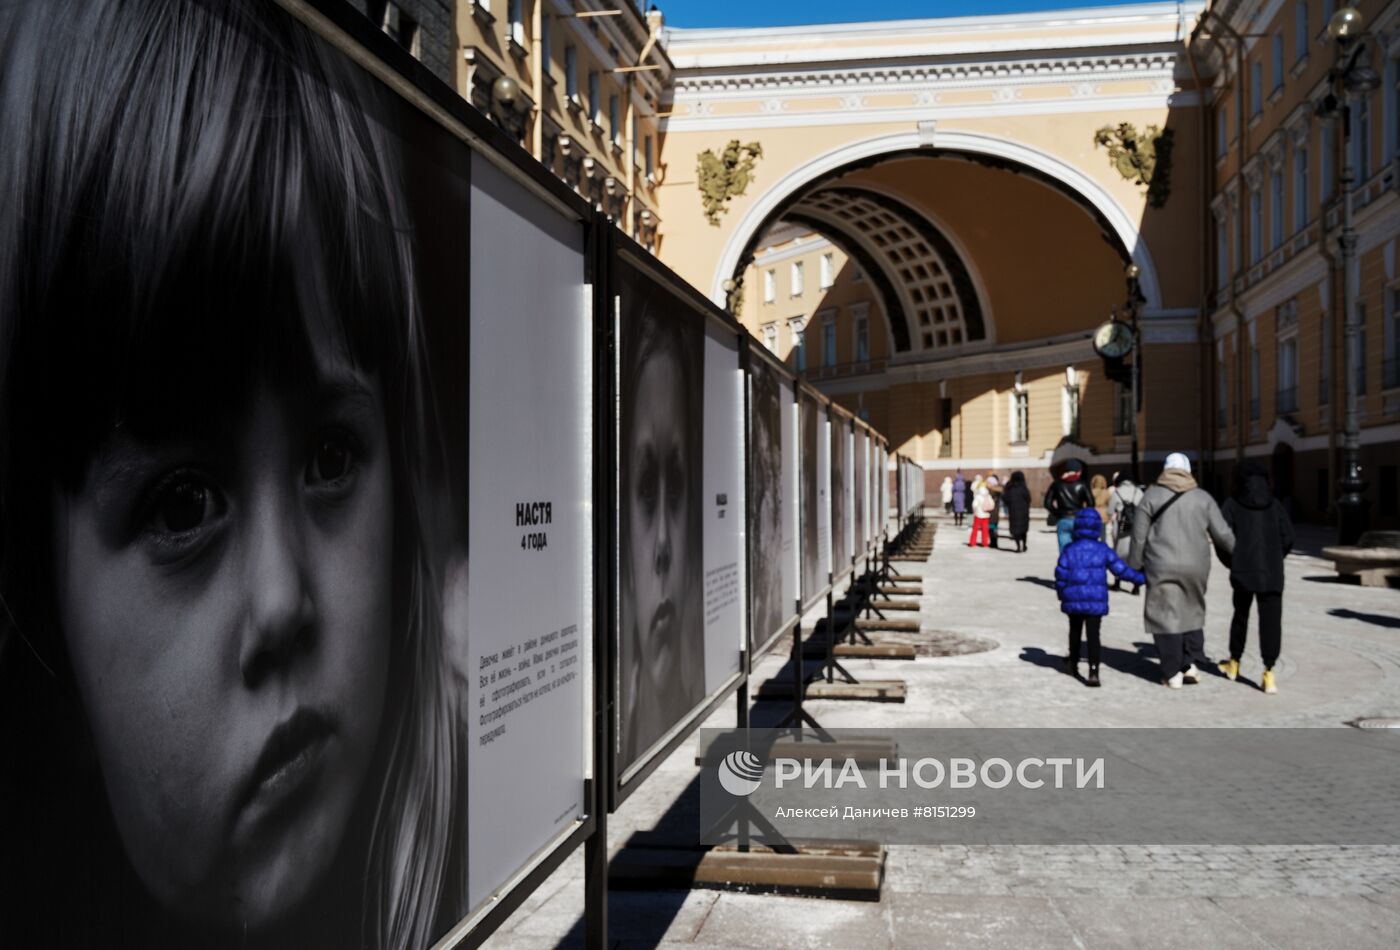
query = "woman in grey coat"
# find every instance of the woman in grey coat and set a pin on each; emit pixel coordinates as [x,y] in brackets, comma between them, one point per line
[1172,533]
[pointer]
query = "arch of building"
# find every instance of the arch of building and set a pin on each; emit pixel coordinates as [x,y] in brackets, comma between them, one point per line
[795,186]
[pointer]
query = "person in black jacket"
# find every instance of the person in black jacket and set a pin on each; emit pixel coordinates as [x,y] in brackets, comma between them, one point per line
[1263,537]
[1017,499]
[1066,496]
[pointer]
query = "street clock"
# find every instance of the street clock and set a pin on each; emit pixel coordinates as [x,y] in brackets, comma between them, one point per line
[1113,340]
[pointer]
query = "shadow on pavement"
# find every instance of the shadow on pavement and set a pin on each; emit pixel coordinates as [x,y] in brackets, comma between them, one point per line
[1380,620]
[1142,663]
[1041,581]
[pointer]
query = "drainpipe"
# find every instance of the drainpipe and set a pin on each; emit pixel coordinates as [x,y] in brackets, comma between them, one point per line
[1204,331]
[1242,391]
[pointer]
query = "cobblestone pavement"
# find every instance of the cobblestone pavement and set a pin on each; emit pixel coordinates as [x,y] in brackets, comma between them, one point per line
[1341,661]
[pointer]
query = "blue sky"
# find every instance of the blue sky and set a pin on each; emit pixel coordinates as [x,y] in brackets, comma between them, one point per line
[703,13]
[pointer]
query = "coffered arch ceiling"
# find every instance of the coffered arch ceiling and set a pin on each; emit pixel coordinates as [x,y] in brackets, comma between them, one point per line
[965,253]
[929,297]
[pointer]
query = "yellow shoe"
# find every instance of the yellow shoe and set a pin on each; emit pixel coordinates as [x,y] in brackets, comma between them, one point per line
[1231,669]
[1268,682]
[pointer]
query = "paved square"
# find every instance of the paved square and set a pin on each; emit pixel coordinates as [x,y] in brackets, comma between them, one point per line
[1341,661]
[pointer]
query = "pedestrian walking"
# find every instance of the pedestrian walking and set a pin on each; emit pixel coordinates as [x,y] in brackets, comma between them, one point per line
[1066,495]
[1172,531]
[945,492]
[959,498]
[981,514]
[994,488]
[1263,538]
[1082,584]
[1122,508]
[1017,499]
[1098,488]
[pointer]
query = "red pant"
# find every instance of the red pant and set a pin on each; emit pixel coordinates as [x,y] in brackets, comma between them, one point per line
[980,527]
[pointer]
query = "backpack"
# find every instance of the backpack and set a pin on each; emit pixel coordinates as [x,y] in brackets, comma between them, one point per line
[1125,519]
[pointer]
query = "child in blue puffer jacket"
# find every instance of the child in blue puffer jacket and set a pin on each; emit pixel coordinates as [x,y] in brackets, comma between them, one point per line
[1083,586]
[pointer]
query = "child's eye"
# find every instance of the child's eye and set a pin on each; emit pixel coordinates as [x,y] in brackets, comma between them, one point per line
[332,462]
[182,504]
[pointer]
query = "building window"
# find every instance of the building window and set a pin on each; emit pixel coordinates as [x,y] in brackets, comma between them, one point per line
[1254,383]
[1222,253]
[1256,226]
[1069,411]
[399,25]
[799,343]
[1256,88]
[796,275]
[1300,29]
[828,268]
[770,286]
[1392,110]
[1236,248]
[1358,350]
[649,155]
[1278,60]
[1286,336]
[615,118]
[1324,374]
[1389,491]
[546,41]
[770,337]
[515,23]
[857,275]
[1222,119]
[571,72]
[1019,411]
[1222,387]
[829,342]
[1276,209]
[862,334]
[1300,187]
[1329,7]
[1122,409]
[1326,170]
[1361,139]
[595,97]
[1390,376]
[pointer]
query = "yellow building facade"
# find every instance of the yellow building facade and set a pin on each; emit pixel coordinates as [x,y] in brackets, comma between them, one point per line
[939,213]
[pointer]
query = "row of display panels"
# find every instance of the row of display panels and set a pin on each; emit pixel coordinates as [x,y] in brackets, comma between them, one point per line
[354,475]
[714,540]
[910,487]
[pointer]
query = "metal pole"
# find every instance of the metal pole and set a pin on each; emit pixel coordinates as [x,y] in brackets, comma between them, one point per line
[1351,505]
[1137,364]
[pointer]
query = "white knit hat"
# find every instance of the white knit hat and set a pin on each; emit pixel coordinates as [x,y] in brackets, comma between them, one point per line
[1178,461]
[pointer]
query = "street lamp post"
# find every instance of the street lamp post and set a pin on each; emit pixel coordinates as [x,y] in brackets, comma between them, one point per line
[1132,273]
[1350,78]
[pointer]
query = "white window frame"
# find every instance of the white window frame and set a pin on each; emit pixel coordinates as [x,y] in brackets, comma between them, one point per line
[1018,415]
[828,269]
[796,279]
[1276,230]
[828,321]
[1300,185]
[770,336]
[1256,226]
[860,332]
[770,285]
[1070,404]
[1301,39]
[797,327]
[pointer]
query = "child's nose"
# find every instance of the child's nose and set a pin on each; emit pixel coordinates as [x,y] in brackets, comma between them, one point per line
[281,613]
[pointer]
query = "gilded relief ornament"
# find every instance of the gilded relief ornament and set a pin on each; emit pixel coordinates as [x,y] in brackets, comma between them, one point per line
[725,176]
[1144,158]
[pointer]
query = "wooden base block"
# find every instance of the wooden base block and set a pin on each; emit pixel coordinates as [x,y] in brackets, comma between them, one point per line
[883,605]
[906,578]
[827,871]
[875,623]
[870,691]
[862,651]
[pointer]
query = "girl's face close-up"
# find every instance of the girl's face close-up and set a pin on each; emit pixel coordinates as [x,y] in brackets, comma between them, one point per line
[659,506]
[225,597]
